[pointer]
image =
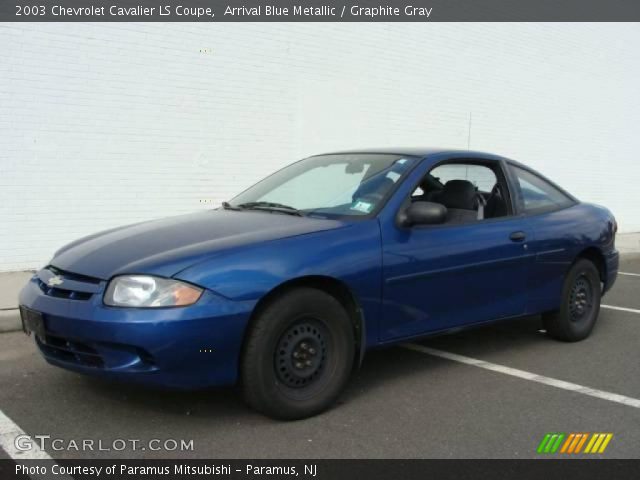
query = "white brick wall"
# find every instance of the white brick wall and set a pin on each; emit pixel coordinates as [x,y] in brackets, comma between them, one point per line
[107,124]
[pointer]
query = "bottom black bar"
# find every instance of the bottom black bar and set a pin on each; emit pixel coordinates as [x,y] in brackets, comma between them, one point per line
[546,469]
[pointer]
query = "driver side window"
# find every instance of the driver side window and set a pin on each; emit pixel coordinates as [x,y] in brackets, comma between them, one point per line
[470,191]
[480,176]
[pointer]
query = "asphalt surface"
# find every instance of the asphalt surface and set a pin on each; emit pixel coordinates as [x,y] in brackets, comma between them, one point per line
[401,404]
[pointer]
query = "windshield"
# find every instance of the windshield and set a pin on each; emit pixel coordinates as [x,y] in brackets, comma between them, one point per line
[330,185]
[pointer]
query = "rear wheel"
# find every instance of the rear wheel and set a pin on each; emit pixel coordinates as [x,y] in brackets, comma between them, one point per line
[298,355]
[580,304]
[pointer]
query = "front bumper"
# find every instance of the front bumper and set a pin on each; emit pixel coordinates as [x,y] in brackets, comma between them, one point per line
[185,347]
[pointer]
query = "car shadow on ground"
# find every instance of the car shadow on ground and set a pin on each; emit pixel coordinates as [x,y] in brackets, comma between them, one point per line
[382,368]
[499,336]
[221,402]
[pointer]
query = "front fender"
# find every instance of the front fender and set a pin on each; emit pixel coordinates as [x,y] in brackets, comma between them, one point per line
[351,254]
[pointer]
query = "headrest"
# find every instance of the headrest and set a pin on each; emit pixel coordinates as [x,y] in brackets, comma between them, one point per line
[459,194]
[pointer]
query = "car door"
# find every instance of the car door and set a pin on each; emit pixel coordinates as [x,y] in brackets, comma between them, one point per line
[558,239]
[439,277]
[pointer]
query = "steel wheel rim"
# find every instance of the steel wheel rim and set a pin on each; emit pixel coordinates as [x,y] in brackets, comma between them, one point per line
[301,353]
[580,299]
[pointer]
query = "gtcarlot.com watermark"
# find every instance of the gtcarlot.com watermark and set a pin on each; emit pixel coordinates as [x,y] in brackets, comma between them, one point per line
[26,443]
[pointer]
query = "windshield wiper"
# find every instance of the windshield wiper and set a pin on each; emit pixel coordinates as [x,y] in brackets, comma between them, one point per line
[228,206]
[271,206]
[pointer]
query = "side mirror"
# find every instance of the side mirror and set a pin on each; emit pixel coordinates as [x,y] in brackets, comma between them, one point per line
[423,213]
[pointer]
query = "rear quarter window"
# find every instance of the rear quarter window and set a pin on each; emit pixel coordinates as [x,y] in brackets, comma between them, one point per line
[538,195]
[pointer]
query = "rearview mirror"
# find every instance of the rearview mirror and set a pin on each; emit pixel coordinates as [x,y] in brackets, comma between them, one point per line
[354,167]
[423,213]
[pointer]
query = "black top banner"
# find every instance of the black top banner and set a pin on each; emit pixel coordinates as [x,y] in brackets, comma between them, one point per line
[319,11]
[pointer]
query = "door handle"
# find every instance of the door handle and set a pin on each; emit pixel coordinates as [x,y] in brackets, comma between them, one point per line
[517,236]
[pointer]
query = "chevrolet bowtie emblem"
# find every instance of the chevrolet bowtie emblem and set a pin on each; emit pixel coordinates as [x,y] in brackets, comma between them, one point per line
[55,280]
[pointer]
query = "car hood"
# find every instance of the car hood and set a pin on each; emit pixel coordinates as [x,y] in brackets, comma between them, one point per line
[167,246]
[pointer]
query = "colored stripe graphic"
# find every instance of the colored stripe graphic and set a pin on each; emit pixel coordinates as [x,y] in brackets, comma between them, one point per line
[568,442]
[581,442]
[605,443]
[574,443]
[544,442]
[558,442]
[598,442]
[550,443]
[591,442]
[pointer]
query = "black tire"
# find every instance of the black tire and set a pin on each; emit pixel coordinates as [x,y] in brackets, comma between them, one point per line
[580,307]
[298,355]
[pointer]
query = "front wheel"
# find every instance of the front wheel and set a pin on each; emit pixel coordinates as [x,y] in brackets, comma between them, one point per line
[298,355]
[580,304]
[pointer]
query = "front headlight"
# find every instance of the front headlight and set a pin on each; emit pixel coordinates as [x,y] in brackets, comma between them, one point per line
[147,291]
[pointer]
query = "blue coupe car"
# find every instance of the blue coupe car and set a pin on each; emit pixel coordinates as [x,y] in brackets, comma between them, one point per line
[285,287]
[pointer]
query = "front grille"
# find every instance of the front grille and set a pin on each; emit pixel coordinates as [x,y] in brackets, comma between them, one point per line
[62,293]
[71,351]
[72,286]
[104,356]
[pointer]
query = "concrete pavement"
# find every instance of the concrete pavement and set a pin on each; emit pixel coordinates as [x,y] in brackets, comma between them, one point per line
[628,242]
[10,285]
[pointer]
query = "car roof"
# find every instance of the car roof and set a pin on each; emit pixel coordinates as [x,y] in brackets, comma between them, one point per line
[418,152]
